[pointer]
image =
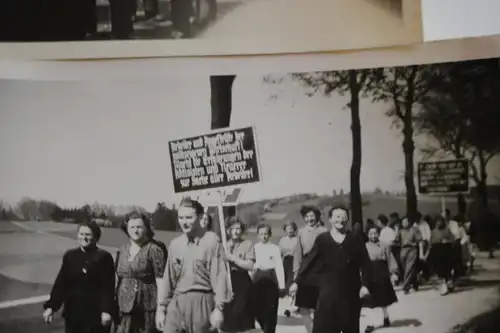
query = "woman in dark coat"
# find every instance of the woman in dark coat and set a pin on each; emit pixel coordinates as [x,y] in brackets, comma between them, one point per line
[84,285]
[140,265]
[239,314]
[339,266]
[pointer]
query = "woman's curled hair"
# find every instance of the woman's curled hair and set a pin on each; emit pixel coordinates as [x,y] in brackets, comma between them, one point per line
[146,219]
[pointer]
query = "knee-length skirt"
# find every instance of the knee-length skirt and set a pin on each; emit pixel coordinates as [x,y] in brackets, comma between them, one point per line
[307,296]
[137,321]
[382,293]
[441,259]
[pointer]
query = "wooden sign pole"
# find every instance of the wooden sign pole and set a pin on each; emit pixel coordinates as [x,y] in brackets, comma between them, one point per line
[219,203]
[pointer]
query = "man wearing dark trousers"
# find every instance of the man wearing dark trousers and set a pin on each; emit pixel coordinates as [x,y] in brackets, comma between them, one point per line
[181,11]
[90,17]
[151,9]
[122,11]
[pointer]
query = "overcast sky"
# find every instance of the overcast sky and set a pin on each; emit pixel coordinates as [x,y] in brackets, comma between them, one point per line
[82,142]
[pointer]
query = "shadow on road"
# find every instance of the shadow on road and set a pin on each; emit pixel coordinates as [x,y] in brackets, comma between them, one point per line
[488,322]
[292,321]
[403,323]
[468,285]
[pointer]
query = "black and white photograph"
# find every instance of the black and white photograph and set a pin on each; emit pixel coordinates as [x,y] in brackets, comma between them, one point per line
[152,28]
[357,200]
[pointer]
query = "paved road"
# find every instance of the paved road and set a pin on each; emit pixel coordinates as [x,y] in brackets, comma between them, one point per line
[29,264]
[290,24]
[314,24]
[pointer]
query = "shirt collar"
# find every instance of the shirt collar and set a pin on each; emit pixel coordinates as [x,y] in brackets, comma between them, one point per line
[195,239]
[315,227]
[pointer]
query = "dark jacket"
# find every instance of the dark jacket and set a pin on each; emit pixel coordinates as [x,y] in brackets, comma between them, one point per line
[84,285]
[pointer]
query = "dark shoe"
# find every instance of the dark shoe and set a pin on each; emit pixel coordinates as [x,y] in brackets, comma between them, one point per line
[406,291]
[369,329]
[387,322]
[287,313]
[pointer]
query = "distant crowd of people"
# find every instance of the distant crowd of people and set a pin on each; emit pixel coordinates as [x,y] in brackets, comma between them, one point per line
[438,245]
[201,284]
[59,22]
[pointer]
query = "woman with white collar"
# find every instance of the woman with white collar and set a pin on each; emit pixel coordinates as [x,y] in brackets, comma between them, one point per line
[268,280]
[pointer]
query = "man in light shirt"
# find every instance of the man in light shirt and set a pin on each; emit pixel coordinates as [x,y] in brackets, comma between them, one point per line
[453,225]
[268,279]
[387,234]
[194,287]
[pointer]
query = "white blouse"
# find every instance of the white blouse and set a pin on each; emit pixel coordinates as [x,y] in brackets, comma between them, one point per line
[267,257]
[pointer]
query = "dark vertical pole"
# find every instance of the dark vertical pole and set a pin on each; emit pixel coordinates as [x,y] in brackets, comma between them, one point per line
[221,88]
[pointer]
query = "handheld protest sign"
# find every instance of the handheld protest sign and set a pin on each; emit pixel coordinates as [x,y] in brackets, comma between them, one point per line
[215,160]
[209,164]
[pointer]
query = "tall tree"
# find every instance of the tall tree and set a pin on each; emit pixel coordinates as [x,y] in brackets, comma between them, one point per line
[28,209]
[354,84]
[403,88]
[164,218]
[462,112]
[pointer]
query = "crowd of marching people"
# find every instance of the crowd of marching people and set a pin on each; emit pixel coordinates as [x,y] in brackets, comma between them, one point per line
[202,283]
[59,22]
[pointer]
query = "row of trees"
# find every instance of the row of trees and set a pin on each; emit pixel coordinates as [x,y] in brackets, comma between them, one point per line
[457,104]
[27,209]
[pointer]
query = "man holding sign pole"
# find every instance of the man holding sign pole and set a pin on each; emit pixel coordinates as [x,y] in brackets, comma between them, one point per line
[194,287]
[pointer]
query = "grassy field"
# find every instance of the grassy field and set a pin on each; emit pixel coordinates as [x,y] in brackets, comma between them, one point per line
[373,205]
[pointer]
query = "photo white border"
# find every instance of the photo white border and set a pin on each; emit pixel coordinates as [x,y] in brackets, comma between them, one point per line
[158,69]
[114,49]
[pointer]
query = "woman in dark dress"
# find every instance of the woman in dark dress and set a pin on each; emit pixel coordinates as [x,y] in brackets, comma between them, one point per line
[441,254]
[84,285]
[340,267]
[238,314]
[384,271]
[140,265]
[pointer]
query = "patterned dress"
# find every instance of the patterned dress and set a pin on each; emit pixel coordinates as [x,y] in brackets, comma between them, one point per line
[137,289]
